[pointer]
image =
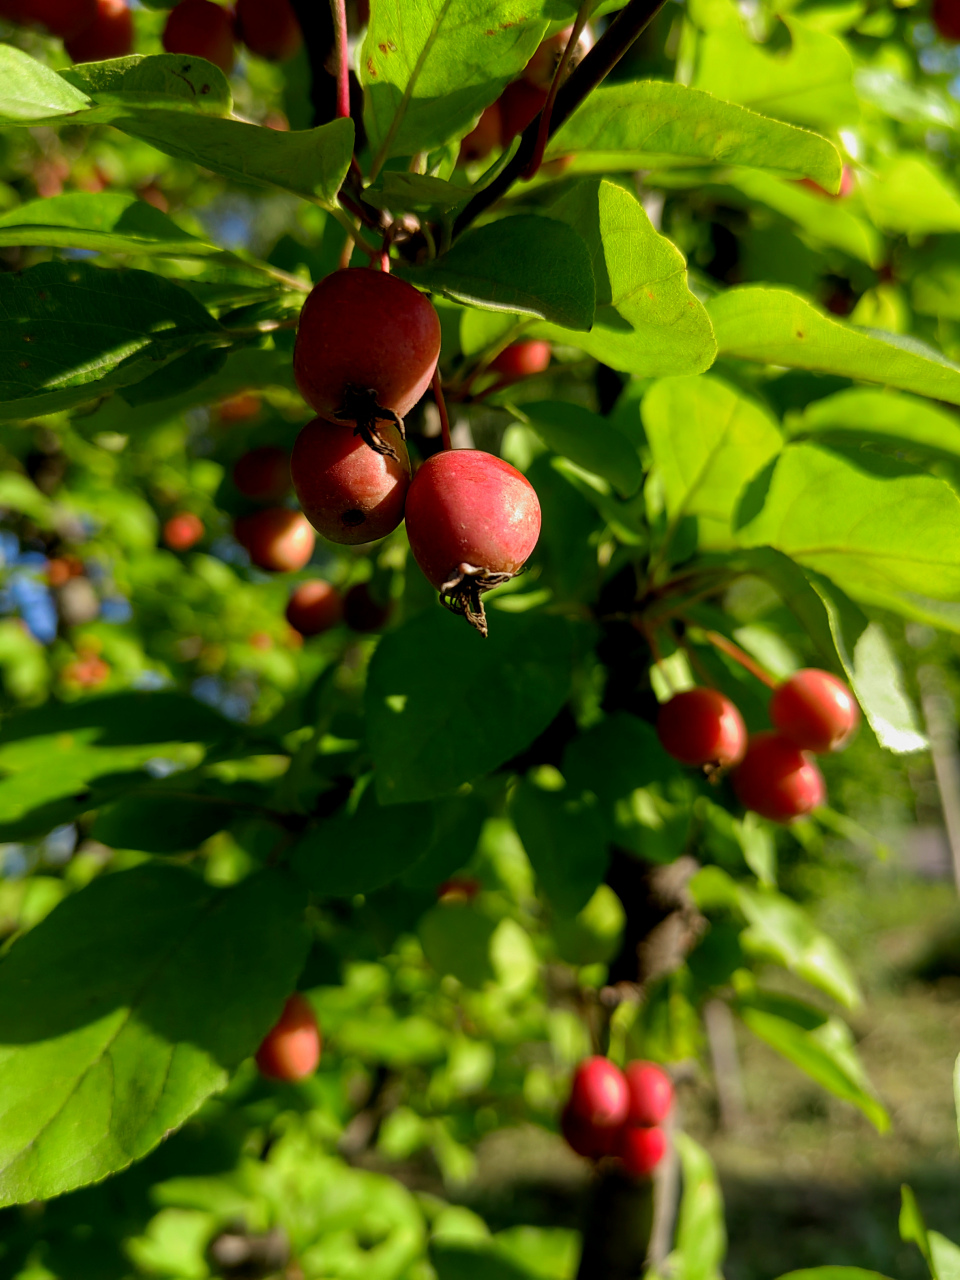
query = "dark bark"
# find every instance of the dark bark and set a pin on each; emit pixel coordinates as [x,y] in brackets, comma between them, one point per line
[616,1233]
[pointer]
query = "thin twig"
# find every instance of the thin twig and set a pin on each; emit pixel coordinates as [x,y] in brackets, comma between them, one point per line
[543,133]
[442,410]
[739,655]
[343,55]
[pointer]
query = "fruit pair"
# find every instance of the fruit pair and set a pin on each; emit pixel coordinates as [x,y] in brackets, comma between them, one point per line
[317,606]
[615,1113]
[291,1048]
[774,776]
[92,30]
[202,29]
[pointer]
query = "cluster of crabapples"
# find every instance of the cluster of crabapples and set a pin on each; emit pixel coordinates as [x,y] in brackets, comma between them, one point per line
[366,351]
[91,30]
[619,1114]
[202,29]
[773,772]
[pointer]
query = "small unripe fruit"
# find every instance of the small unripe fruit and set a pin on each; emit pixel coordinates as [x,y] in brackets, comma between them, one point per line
[276,539]
[520,103]
[777,780]
[109,35]
[269,28]
[64,18]
[701,727]
[291,1049]
[183,531]
[314,607]
[263,474]
[472,521]
[202,30]
[641,1150]
[598,1094]
[362,612]
[521,360]
[350,494]
[815,710]
[946,18]
[367,345]
[650,1093]
[485,135]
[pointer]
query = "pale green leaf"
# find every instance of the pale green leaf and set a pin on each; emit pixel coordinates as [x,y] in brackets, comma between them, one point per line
[29,90]
[587,439]
[906,193]
[701,1239]
[863,416]
[106,221]
[829,220]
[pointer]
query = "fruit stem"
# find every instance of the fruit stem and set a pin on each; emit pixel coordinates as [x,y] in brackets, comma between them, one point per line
[602,58]
[442,409]
[343,56]
[738,655]
[543,131]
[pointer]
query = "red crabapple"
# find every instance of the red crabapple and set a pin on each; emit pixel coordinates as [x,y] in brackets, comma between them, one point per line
[276,538]
[521,360]
[472,521]
[350,494]
[597,1106]
[585,1138]
[946,18]
[362,611]
[702,727]
[650,1092]
[263,474]
[815,710]
[778,780]
[183,531]
[201,29]
[641,1149]
[519,103]
[109,35]
[542,67]
[269,28]
[314,607]
[291,1049]
[483,137]
[64,18]
[367,345]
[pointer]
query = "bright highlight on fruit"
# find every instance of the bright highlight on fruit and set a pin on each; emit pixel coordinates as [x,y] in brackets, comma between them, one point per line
[815,710]
[291,1049]
[276,539]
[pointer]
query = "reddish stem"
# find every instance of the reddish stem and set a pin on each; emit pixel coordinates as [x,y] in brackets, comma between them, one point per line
[543,133]
[737,654]
[442,409]
[385,261]
[343,68]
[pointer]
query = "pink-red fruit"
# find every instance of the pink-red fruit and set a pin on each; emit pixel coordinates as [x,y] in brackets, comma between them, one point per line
[362,611]
[269,28]
[183,531]
[350,494]
[520,103]
[815,710]
[263,474]
[598,1094]
[701,727]
[276,539]
[521,360]
[587,1139]
[291,1049]
[946,18]
[641,1150]
[314,607]
[202,30]
[367,345]
[485,135]
[64,18]
[778,780]
[650,1093]
[109,35]
[472,521]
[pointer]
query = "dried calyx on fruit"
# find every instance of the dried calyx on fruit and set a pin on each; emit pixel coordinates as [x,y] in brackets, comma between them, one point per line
[472,521]
[367,345]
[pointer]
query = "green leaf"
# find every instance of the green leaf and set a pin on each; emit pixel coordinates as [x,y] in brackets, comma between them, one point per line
[454,1260]
[647,322]
[71,331]
[653,118]
[525,264]
[830,221]
[946,1256]
[914,1229]
[833,1273]
[863,416]
[884,532]
[812,83]
[588,440]
[778,327]
[311,163]
[707,441]
[907,194]
[161,823]
[29,90]
[935,283]
[565,842]
[444,705]
[429,67]
[956,1092]
[108,221]
[456,939]
[362,850]
[107,1041]
[701,1240]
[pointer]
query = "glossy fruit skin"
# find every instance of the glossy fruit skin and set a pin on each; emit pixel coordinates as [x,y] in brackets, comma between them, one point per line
[521,360]
[269,28]
[641,1149]
[349,492]
[64,18]
[520,102]
[276,538]
[109,35]
[183,531]
[363,613]
[650,1093]
[701,727]
[598,1094]
[815,710]
[778,780]
[314,607]
[263,474]
[946,18]
[291,1049]
[484,136]
[202,30]
[365,330]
